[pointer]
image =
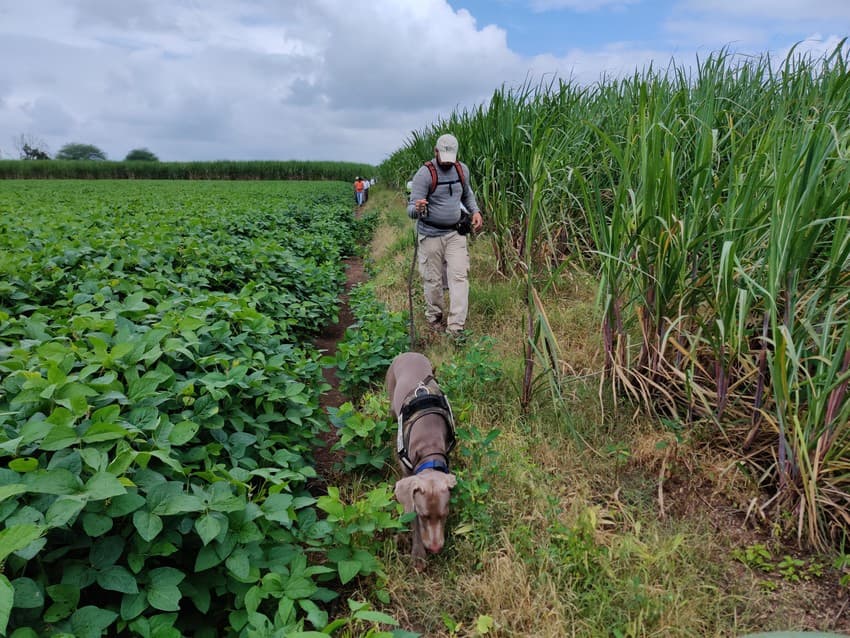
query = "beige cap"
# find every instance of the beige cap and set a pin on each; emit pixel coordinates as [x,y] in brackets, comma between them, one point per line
[447,147]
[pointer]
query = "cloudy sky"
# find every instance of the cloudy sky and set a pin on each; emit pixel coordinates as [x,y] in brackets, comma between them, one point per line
[337,79]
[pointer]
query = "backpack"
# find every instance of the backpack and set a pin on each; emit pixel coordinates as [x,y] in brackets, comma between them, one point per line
[434,183]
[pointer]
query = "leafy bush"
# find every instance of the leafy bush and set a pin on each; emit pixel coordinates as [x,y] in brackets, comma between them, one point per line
[365,435]
[370,345]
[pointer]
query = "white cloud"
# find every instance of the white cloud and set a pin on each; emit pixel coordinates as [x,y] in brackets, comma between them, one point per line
[308,79]
[243,78]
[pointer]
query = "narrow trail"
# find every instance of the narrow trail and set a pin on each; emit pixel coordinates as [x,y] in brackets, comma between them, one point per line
[327,342]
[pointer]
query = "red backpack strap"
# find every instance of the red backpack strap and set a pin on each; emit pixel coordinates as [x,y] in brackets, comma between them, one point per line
[430,165]
[459,170]
[431,169]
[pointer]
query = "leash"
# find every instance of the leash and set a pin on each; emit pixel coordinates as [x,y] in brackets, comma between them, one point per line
[410,287]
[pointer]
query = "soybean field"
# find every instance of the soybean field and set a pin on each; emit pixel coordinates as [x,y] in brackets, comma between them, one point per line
[159,405]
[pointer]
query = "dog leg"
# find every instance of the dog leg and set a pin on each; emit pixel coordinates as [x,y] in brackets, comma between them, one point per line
[418,551]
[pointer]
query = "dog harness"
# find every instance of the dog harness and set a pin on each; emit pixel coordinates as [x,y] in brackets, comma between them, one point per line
[425,398]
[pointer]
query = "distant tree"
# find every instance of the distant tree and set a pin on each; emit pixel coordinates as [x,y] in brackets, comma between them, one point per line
[141,155]
[30,147]
[30,153]
[76,151]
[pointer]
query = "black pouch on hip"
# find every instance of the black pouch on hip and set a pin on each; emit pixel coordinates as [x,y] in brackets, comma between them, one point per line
[464,226]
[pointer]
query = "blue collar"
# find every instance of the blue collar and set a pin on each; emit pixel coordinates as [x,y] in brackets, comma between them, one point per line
[433,465]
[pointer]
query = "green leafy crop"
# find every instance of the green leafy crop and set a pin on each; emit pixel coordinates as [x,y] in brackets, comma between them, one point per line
[159,403]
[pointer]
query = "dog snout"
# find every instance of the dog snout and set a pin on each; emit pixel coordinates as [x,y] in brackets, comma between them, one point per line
[435,545]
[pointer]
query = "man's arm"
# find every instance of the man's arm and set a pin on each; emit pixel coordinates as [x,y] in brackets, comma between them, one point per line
[418,192]
[470,203]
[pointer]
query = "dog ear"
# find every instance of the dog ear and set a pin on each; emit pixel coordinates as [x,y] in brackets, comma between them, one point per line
[404,490]
[450,480]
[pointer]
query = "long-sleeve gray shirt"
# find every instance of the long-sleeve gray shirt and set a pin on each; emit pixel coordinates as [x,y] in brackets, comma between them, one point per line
[444,204]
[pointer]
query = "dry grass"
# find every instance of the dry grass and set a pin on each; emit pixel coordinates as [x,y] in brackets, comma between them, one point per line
[630,533]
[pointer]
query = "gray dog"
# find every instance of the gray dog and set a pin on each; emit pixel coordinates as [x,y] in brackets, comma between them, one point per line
[425,438]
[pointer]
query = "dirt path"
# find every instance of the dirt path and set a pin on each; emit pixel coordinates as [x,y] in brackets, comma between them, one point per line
[327,341]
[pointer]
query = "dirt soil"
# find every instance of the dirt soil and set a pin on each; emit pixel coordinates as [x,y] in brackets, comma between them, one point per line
[326,458]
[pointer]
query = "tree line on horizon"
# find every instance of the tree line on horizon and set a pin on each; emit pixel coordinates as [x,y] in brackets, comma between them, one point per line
[30,147]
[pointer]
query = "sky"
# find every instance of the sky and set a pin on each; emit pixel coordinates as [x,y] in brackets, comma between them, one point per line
[339,80]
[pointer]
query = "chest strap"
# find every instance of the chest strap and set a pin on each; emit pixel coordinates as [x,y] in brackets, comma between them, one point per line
[426,398]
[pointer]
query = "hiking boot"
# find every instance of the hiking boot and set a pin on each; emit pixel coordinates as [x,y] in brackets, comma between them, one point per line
[437,324]
[458,336]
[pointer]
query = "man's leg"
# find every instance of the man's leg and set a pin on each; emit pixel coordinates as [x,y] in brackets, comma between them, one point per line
[457,270]
[431,268]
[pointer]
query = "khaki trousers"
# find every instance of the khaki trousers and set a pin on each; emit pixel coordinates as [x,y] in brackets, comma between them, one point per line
[433,251]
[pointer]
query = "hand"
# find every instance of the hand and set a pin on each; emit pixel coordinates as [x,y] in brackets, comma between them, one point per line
[477,221]
[421,207]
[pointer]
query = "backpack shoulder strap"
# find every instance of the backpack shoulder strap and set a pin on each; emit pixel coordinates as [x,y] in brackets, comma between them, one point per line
[459,170]
[432,169]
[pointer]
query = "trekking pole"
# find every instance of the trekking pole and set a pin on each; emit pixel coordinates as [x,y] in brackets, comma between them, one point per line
[410,288]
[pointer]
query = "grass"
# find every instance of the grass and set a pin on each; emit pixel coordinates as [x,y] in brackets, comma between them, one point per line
[711,205]
[628,529]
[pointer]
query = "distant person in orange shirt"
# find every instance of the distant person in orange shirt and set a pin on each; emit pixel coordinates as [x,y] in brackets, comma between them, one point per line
[359,190]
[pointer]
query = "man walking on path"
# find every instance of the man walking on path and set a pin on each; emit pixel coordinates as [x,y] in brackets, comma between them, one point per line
[359,191]
[438,190]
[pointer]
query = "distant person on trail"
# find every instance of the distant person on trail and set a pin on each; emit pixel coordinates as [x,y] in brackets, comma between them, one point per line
[359,191]
[438,192]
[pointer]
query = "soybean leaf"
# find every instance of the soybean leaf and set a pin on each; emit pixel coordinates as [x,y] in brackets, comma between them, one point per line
[183,432]
[102,486]
[164,597]
[375,616]
[63,510]
[99,432]
[94,458]
[133,605]
[28,593]
[91,621]
[17,537]
[169,498]
[11,446]
[315,616]
[57,481]
[59,437]
[166,576]
[148,525]
[65,599]
[198,594]
[7,598]
[30,551]
[348,569]
[96,524]
[124,504]
[239,565]
[11,490]
[74,397]
[207,527]
[276,508]
[299,587]
[106,551]
[207,557]
[118,578]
